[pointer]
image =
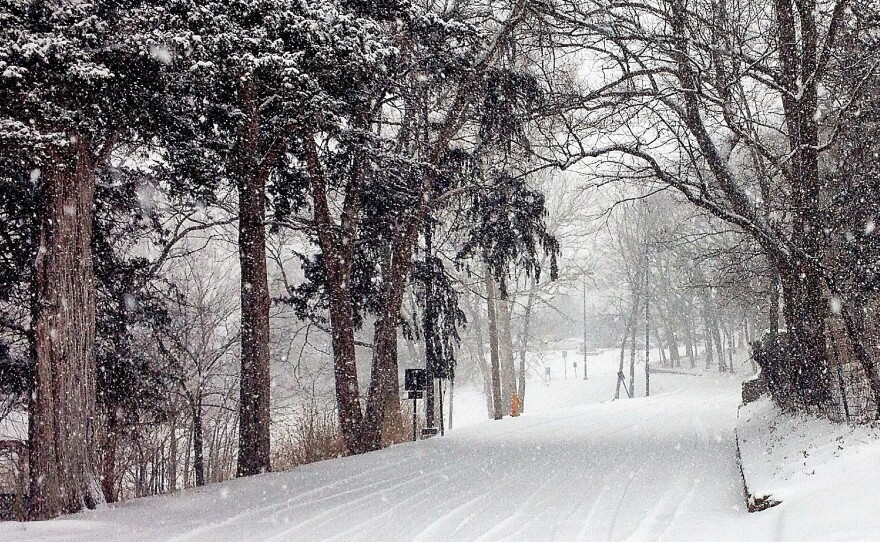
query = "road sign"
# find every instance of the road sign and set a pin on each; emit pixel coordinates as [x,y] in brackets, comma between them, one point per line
[415,380]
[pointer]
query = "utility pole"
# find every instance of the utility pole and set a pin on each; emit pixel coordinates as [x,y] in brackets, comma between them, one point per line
[585,325]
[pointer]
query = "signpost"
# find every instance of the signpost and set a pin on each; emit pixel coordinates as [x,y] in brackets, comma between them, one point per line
[415,381]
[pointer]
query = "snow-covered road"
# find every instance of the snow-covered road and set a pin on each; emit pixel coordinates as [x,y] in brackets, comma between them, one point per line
[658,468]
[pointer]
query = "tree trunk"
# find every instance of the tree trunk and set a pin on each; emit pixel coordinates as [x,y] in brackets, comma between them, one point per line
[253,408]
[805,322]
[632,354]
[198,443]
[799,67]
[508,368]
[524,347]
[774,311]
[672,343]
[630,323]
[497,406]
[383,402]
[691,347]
[337,249]
[108,466]
[731,346]
[719,344]
[62,429]
[172,457]
[707,331]
[187,458]
[429,330]
[856,333]
[485,370]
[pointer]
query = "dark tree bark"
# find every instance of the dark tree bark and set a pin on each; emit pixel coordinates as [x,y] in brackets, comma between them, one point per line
[255,385]
[198,443]
[62,434]
[805,312]
[383,402]
[707,334]
[172,456]
[719,343]
[337,249]
[108,463]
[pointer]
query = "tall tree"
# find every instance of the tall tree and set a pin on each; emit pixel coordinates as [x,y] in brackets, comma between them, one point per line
[710,103]
[76,82]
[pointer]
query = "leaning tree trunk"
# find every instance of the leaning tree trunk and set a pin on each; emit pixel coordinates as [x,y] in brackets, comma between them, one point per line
[253,408]
[63,421]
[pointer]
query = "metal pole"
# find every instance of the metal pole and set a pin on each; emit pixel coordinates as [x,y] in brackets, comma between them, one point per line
[647,330]
[585,326]
[440,385]
[430,330]
[414,419]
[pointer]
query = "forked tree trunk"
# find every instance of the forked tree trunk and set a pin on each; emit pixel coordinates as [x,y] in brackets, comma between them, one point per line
[337,248]
[253,409]
[62,429]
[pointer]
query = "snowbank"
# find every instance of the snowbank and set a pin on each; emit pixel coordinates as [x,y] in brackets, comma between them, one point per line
[825,474]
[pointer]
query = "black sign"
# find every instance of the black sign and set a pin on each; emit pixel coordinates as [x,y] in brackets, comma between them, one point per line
[415,380]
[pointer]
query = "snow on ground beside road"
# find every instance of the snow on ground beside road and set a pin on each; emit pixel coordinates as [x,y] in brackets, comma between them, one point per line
[575,466]
[825,474]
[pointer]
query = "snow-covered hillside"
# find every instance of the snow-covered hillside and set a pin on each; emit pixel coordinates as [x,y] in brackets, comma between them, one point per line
[576,466]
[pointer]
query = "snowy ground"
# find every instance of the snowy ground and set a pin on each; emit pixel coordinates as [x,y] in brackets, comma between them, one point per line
[576,466]
[825,474]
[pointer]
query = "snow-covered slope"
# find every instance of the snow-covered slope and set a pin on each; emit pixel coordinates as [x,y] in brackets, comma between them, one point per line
[825,474]
[571,468]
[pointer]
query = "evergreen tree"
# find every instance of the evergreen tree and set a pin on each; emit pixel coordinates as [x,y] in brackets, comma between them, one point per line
[76,80]
[260,74]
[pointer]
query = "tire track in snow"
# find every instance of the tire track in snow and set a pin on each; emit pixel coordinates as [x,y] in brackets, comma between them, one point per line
[408,477]
[291,504]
